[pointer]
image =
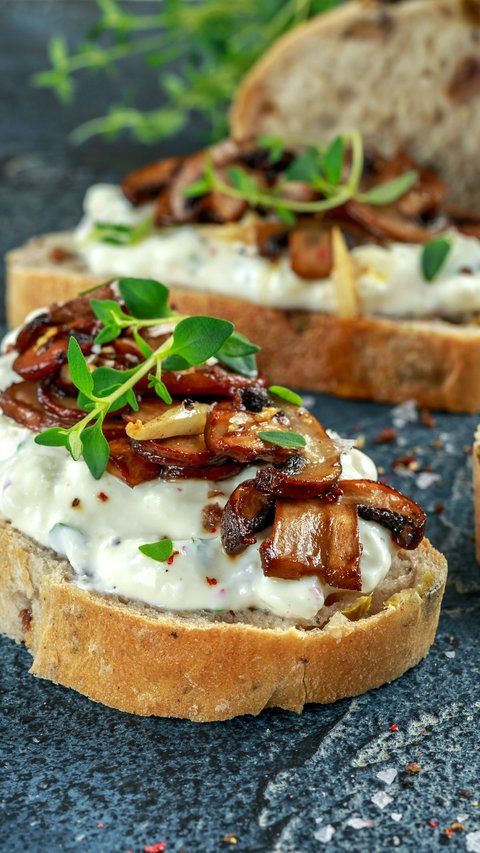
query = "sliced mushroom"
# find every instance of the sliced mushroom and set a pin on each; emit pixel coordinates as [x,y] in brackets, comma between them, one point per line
[380,503]
[31,331]
[53,399]
[185,451]
[271,239]
[128,466]
[47,355]
[20,402]
[208,381]
[247,511]
[387,222]
[231,431]
[310,252]
[144,184]
[314,538]
[220,471]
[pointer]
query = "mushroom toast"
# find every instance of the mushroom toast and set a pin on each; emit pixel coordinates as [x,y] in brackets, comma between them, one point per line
[180,538]
[351,261]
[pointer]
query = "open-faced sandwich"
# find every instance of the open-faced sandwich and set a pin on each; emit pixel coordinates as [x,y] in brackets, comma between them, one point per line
[178,538]
[352,263]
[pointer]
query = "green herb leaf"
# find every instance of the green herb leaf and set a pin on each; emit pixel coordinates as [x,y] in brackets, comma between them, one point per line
[245,183]
[96,451]
[198,188]
[275,146]
[286,394]
[77,365]
[120,235]
[107,334]
[142,345]
[390,190]
[175,362]
[305,167]
[285,215]
[238,353]
[108,311]
[283,439]
[74,444]
[160,388]
[434,255]
[333,160]
[198,338]
[53,437]
[145,298]
[105,381]
[159,551]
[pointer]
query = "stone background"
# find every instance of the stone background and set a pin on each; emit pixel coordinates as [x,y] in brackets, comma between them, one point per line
[80,777]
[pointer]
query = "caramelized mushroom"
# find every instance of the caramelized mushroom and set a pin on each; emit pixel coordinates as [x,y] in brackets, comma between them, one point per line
[43,359]
[314,538]
[144,184]
[209,381]
[231,431]
[310,251]
[380,503]
[128,466]
[247,511]
[185,451]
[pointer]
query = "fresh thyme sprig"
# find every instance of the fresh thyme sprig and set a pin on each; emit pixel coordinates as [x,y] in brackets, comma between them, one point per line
[193,340]
[321,168]
[212,44]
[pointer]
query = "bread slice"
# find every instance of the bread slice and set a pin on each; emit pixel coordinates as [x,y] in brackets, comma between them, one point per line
[435,362]
[405,75]
[195,665]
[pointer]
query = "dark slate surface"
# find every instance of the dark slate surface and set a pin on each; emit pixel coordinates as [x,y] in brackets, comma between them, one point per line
[85,778]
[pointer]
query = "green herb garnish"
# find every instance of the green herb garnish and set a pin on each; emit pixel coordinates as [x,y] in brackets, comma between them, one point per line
[120,235]
[191,342]
[159,551]
[212,45]
[327,171]
[434,254]
[283,439]
[286,394]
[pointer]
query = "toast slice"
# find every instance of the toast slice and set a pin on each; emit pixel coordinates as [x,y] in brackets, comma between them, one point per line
[138,659]
[434,362]
[405,75]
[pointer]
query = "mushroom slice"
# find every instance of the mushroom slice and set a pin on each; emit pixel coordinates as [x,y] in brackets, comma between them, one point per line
[48,354]
[231,431]
[146,183]
[246,512]
[187,418]
[183,451]
[221,471]
[314,538]
[20,403]
[32,330]
[310,251]
[125,464]
[387,222]
[380,503]
[209,381]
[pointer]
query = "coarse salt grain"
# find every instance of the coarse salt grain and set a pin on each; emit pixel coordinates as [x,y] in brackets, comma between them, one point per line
[396,840]
[325,833]
[449,654]
[396,816]
[359,822]
[426,479]
[381,799]
[405,413]
[473,841]
[388,775]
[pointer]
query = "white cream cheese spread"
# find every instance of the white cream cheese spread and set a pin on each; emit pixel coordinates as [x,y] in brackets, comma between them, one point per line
[99,525]
[390,281]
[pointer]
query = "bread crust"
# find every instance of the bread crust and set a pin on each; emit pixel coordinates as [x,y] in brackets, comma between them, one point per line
[436,363]
[419,59]
[140,660]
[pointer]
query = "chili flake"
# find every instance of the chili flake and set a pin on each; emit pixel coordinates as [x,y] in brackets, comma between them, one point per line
[413,768]
[159,847]
[394,728]
[102,497]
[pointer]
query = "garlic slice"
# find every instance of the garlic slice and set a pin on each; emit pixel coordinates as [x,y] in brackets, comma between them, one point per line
[344,277]
[188,418]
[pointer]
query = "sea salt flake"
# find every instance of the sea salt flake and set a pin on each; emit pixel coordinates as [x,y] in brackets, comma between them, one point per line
[426,479]
[462,817]
[396,840]
[381,799]
[405,413]
[387,775]
[359,822]
[450,654]
[473,841]
[325,833]
[396,816]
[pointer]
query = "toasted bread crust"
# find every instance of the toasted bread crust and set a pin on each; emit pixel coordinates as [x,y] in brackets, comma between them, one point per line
[419,59]
[140,660]
[434,362]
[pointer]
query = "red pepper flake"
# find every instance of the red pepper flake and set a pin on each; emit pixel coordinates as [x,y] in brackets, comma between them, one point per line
[413,768]
[102,497]
[386,436]
[394,728]
[172,557]
[100,825]
[76,503]
[230,838]
[453,828]
[433,823]
[405,462]
[211,581]
[427,419]
[159,847]
[439,507]
[465,792]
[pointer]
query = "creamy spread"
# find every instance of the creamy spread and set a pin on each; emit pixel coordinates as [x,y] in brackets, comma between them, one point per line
[99,525]
[390,280]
